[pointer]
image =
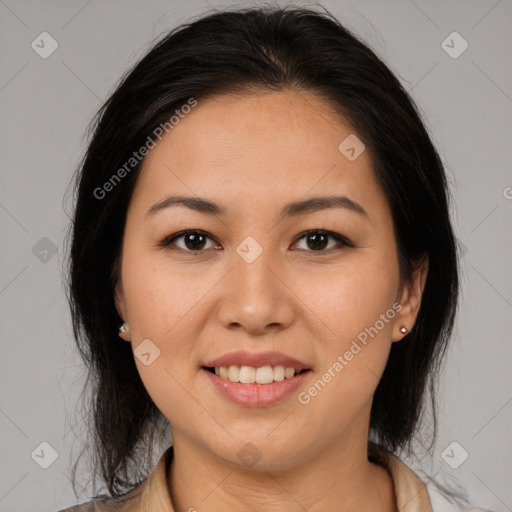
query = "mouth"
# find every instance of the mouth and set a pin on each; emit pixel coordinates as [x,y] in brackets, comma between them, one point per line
[262,375]
[256,379]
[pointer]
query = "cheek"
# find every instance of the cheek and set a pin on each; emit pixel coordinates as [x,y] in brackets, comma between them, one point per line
[354,309]
[352,298]
[353,350]
[167,309]
[162,306]
[159,295]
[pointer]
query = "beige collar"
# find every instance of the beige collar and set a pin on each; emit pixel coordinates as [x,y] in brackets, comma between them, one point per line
[411,493]
[152,495]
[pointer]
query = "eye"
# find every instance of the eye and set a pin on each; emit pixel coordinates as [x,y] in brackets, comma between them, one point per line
[194,240]
[318,240]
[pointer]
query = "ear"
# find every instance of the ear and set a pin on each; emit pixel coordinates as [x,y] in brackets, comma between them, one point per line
[410,299]
[120,305]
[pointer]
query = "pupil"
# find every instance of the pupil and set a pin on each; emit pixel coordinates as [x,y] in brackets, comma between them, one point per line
[319,241]
[197,243]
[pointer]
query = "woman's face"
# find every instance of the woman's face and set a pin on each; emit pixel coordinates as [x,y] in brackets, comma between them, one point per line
[252,292]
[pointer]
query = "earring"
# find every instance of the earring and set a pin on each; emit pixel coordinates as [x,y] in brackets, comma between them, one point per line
[123,328]
[403,330]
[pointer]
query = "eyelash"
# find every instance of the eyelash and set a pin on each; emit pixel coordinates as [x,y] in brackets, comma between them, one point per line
[170,240]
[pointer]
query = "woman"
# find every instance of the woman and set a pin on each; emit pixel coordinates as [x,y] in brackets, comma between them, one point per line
[263,220]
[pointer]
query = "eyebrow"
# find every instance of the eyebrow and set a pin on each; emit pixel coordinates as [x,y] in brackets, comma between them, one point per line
[294,209]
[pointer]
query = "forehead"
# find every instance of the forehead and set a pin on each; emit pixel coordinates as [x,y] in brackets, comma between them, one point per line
[264,145]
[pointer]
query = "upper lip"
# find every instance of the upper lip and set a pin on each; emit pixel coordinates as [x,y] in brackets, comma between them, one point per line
[256,360]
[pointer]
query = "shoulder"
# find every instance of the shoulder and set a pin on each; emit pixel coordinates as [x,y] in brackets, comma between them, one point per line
[440,503]
[127,503]
[109,505]
[84,507]
[415,494]
[141,497]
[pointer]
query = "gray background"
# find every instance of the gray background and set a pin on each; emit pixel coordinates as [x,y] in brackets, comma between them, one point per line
[46,105]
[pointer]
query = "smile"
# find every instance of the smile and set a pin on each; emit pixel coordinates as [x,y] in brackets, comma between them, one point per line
[251,375]
[255,379]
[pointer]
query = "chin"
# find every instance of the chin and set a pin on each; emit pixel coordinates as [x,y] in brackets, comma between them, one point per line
[259,452]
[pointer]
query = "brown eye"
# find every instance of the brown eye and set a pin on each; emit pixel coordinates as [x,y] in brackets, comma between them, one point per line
[318,240]
[192,241]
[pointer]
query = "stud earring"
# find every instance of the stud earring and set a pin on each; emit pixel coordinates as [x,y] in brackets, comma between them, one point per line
[123,328]
[403,330]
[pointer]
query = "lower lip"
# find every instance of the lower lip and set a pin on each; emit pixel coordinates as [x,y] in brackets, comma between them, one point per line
[257,395]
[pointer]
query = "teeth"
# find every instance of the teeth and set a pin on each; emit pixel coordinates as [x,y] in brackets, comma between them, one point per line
[234,373]
[279,373]
[264,375]
[289,373]
[247,375]
[250,375]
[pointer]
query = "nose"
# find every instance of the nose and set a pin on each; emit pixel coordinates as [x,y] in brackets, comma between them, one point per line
[256,298]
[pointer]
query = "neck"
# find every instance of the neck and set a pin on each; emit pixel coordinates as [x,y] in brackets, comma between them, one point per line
[339,478]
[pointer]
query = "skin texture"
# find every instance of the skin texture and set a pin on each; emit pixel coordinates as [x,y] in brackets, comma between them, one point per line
[252,154]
